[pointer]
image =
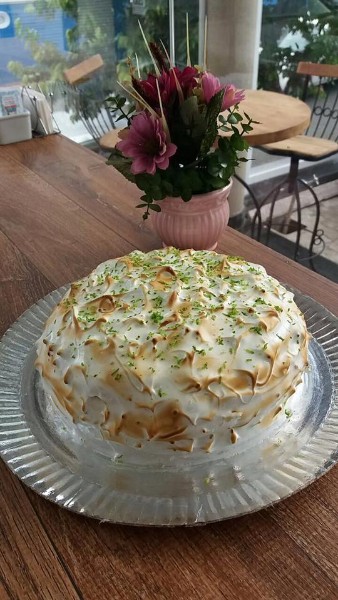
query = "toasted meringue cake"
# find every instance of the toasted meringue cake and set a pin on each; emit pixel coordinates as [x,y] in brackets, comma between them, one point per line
[174,350]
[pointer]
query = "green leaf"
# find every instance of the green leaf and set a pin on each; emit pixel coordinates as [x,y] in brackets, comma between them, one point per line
[246,128]
[144,181]
[141,205]
[157,193]
[186,194]
[216,182]
[155,207]
[213,110]
[213,165]
[238,116]
[188,110]
[232,119]
[195,181]
[238,143]
[167,187]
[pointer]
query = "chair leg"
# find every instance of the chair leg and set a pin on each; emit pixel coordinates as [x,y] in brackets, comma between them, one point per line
[257,216]
[315,232]
[296,197]
[293,188]
[275,194]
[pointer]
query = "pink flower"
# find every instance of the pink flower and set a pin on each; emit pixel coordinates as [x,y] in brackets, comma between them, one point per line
[146,144]
[211,85]
[231,96]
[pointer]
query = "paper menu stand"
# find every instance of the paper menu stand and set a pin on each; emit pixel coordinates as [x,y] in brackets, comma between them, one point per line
[15,120]
[43,121]
[10,102]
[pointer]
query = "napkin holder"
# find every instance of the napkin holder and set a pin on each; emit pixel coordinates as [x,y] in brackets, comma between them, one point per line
[15,127]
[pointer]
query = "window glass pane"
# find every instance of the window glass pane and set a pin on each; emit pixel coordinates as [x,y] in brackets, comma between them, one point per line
[39,40]
[190,8]
[293,31]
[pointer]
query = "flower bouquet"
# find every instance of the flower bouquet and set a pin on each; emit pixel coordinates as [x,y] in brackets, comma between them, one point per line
[171,146]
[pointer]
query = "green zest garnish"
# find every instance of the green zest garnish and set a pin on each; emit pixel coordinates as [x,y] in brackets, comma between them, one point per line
[158,301]
[256,329]
[233,312]
[116,374]
[202,351]
[156,317]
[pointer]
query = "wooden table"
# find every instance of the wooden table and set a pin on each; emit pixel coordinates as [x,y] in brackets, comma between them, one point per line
[279,117]
[62,211]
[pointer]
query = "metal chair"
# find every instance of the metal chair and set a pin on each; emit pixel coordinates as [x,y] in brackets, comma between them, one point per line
[94,114]
[87,92]
[319,141]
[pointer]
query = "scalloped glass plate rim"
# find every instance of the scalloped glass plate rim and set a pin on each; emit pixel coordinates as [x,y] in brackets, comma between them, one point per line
[229,494]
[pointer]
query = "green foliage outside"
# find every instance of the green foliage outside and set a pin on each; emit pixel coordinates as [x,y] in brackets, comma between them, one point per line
[319,29]
[94,34]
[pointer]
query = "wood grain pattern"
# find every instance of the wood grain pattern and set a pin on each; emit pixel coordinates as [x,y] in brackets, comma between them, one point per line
[20,283]
[208,562]
[304,145]
[62,210]
[53,229]
[30,566]
[106,195]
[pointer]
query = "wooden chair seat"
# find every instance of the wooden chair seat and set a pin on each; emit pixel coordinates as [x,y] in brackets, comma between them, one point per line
[109,140]
[303,146]
[83,70]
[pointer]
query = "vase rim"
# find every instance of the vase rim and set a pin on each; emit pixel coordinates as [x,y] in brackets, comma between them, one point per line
[219,190]
[198,203]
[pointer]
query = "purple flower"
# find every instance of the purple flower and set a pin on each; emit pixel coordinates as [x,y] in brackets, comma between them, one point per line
[211,85]
[146,144]
[167,83]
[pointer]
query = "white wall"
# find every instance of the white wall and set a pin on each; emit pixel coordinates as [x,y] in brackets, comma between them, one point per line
[233,38]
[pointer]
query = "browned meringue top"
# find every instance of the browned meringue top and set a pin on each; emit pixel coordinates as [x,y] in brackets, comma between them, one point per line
[182,348]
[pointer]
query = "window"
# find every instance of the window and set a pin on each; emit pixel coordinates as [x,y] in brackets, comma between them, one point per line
[42,38]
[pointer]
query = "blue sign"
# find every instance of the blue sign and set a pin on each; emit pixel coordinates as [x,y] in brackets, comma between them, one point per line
[270,2]
[7,29]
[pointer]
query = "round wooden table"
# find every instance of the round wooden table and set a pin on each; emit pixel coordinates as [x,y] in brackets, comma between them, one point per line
[279,117]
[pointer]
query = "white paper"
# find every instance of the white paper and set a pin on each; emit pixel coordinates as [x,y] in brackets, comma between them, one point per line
[41,115]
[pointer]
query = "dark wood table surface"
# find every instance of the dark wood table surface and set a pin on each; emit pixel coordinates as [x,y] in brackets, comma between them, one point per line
[63,211]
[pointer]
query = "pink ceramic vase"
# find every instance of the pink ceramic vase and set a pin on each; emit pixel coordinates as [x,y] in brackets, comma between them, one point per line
[196,224]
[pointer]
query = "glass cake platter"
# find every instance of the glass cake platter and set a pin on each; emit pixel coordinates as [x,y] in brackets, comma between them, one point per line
[72,467]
